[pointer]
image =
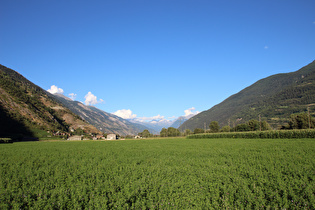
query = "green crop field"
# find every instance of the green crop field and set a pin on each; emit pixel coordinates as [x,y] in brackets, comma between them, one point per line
[159,174]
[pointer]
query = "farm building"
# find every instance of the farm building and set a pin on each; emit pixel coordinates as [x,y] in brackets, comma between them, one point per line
[99,136]
[76,137]
[111,136]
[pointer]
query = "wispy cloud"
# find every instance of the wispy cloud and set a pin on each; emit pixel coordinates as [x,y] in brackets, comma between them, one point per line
[191,112]
[172,118]
[266,47]
[91,99]
[154,118]
[128,114]
[54,89]
[72,96]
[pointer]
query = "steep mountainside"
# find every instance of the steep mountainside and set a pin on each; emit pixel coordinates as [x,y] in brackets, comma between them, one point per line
[106,122]
[24,107]
[274,98]
[179,121]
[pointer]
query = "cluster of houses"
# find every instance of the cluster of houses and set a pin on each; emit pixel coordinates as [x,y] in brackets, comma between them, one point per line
[82,137]
[97,137]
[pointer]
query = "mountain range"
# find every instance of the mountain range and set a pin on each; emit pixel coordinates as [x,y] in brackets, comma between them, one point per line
[26,107]
[155,126]
[179,121]
[105,122]
[272,99]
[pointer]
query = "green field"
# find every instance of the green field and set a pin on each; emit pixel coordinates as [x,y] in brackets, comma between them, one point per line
[159,174]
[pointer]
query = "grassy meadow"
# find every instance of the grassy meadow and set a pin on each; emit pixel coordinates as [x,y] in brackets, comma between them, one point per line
[159,174]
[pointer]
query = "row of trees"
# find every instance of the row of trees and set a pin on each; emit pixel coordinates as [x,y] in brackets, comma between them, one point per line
[297,121]
[169,132]
[145,134]
[300,121]
[252,125]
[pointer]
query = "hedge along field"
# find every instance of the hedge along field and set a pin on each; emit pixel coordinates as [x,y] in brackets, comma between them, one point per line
[158,174]
[274,134]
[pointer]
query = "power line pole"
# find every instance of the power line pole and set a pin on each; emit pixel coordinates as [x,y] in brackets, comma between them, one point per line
[229,122]
[205,127]
[234,129]
[180,122]
[259,123]
[309,118]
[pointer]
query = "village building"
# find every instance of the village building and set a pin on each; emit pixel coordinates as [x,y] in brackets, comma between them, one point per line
[99,136]
[111,136]
[75,137]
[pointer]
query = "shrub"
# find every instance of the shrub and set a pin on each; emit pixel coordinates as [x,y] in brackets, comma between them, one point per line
[278,134]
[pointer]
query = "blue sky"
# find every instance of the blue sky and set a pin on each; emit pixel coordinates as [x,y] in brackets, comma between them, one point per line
[155,58]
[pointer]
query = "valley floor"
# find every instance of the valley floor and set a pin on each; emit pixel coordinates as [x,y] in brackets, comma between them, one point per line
[159,174]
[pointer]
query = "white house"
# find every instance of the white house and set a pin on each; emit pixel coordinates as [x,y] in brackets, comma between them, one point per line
[75,137]
[111,136]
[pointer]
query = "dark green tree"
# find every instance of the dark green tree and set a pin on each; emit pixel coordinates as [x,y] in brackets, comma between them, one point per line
[253,125]
[214,127]
[145,133]
[78,131]
[187,132]
[225,129]
[301,121]
[163,132]
[173,132]
[265,126]
[242,127]
[198,130]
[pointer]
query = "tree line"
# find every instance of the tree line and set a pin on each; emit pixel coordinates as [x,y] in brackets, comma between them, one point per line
[296,121]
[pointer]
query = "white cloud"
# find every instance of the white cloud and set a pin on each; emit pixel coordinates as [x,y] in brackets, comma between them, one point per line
[190,112]
[266,47]
[91,99]
[125,114]
[172,118]
[154,118]
[72,96]
[54,89]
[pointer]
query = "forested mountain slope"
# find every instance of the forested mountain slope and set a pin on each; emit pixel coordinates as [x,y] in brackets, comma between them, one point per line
[274,98]
[24,107]
[106,122]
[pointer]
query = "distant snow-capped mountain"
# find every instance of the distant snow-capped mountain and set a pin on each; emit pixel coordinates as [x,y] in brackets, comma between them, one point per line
[157,125]
[105,122]
[179,121]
